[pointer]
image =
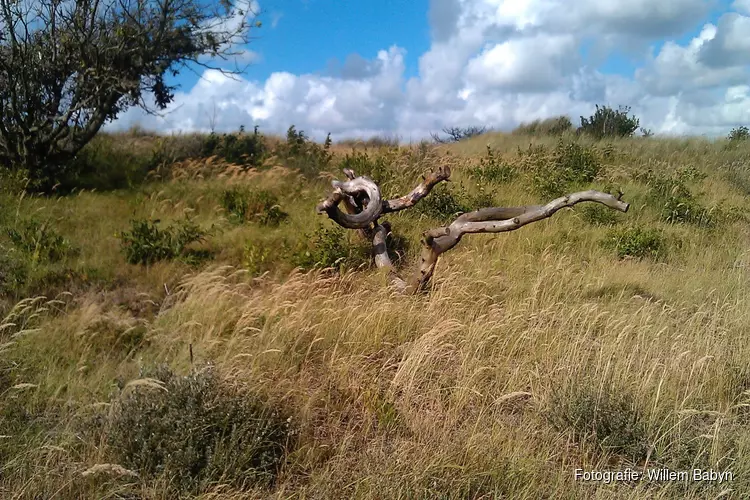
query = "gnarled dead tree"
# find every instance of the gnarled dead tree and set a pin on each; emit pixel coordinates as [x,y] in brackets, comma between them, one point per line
[364,205]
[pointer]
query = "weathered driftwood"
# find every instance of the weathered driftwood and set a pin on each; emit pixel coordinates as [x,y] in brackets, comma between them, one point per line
[364,206]
[496,220]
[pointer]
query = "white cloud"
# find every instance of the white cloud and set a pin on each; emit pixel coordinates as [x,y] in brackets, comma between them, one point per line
[731,45]
[497,63]
[742,6]
[537,64]
[677,69]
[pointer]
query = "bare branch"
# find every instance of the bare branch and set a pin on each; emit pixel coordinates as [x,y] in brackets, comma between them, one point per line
[440,240]
[362,199]
[370,212]
[419,192]
[382,260]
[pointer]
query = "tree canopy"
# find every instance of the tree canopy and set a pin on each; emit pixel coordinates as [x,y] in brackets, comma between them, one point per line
[67,67]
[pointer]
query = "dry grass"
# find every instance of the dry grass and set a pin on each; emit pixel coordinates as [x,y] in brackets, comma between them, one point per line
[536,352]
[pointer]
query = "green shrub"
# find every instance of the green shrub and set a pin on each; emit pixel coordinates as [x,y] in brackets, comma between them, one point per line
[13,272]
[604,416]
[257,206]
[741,133]
[196,431]
[678,210]
[557,125]
[479,199]
[39,241]
[442,204]
[677,203]
[580,164]
[260,256]
[570,165]
[146,243]
[637,242]
[12,182]
[608,122]
[303,154]
[240,148]
[375,166]
[492,169]
[330,247]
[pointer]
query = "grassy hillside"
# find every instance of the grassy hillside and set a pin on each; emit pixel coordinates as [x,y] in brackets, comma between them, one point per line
[243,346]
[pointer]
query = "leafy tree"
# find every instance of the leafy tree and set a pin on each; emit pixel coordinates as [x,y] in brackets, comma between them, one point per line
[67,67]
[608,122]
[456,134]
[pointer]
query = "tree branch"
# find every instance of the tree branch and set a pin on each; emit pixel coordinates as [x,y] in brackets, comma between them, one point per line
[382,260]
[419,192]
[362,199]
[370,212]
[495,220]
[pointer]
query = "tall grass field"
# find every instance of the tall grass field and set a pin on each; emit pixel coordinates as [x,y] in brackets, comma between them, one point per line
[181,323]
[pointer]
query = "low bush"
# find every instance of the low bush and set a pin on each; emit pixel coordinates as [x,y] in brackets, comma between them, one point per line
[741,133]
[637,242]
[245,205]
[568,166]
[14,272]
[239,148]
[604,416]
[331,247]
[195,431]
[375,166]
[303,154]
[38,241]
[492,168]
[598,215]
[608,122]
[442,204]
[146,243]
[557,125]
[677,204]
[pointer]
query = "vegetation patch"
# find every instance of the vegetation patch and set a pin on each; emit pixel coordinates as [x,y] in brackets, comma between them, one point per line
[609,122]
[240,148]
[597,215]
[570,165]
[330,247]
[246,205]
[737,134]
[604,416]
[195,431]
[147,243]
[637,242]
[303,154]
[493,169]
[443,204]
[557,125]
[675,200]
[38,241]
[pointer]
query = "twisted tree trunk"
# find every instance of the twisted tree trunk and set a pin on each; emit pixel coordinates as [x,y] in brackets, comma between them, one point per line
[364,206]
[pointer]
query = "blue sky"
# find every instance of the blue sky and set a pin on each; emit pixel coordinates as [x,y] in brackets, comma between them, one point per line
[397,66]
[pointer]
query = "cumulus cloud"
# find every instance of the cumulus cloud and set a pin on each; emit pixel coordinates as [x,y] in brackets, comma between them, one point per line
[537,64]
[498,63]
[679,68]
[731,44]
[742,6]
